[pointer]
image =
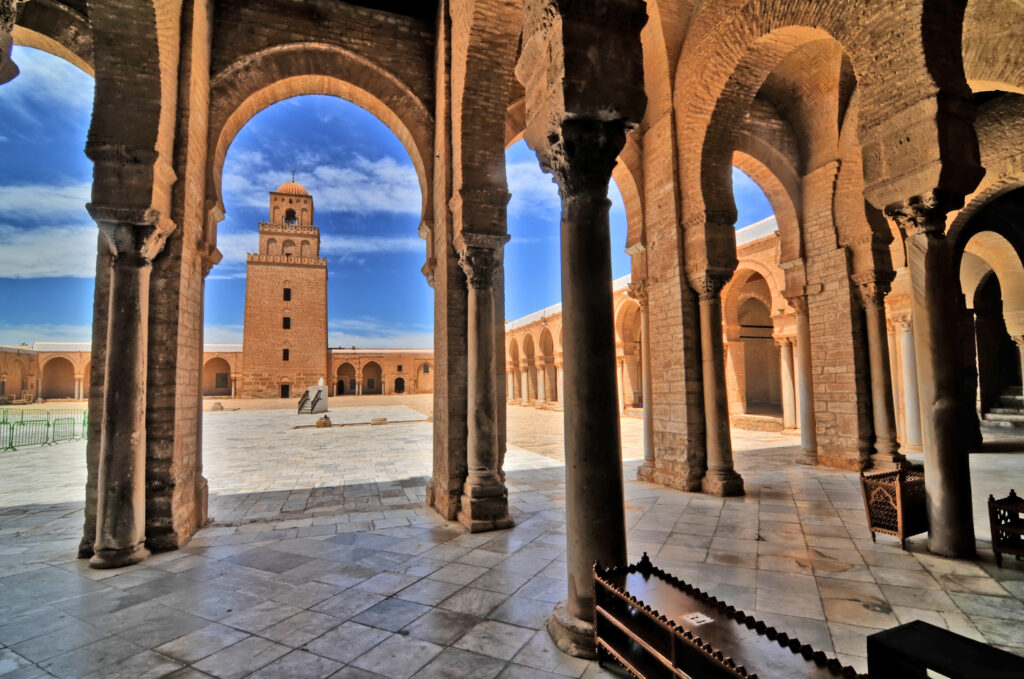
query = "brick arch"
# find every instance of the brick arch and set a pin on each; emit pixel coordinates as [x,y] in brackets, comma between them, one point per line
[624,309]
[1002,258]
[992,54]
[733,293]
[739,46]
[57,377]
[513,351]
[782,201]
[56,28]
[258,80]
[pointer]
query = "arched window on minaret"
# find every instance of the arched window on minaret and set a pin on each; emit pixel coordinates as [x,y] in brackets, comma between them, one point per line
[289,216]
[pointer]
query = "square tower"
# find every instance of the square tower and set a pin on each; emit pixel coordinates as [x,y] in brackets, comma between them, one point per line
[284,342]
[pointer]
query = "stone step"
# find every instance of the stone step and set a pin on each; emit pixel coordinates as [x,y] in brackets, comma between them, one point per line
[1009,417]
[1006,410]
[1004,424]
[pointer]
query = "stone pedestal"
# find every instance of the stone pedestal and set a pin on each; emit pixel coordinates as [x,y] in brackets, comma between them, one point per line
[484,503]
[720,478]
[934,290]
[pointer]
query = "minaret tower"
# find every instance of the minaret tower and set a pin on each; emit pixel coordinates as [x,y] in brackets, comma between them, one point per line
[284,345]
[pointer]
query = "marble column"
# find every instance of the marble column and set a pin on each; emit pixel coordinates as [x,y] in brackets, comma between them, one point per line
[788,388]
[525,388]
[934,289]
[559,383]
[620,382]
[121,478]
[911,398]
[720,478]
[484,504]
[872,289]
[638,291]
[894,371]
[8,14]
[805,382]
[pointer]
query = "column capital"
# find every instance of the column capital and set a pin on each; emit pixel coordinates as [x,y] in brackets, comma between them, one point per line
[904,321]
[132,233]
[799,303]
[925,213]
[783,341]
[480,257]
[1019,341]
[638,290]
[872,287]
[708,283]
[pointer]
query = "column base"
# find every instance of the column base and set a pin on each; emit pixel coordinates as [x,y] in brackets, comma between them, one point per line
[85,546]
[571,635]
[914,448]
[808,458]
[482,514]
[645,472]
[118,558]
[722,482]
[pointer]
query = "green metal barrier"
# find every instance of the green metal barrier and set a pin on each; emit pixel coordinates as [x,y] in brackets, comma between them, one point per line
[30,433]
[6,442]
[63,429]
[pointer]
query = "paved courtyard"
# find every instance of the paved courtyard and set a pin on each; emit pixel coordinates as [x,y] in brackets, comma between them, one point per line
[322,560]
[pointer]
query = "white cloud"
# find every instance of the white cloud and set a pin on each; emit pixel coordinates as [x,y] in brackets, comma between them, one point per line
[368,332]
[532,190]
[46,202]
[45,79]
[48,251]
[13,335]
[222,334]
[345,246]
[363,186]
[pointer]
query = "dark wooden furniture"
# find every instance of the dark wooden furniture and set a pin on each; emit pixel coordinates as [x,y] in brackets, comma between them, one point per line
[895,502]
[656,625]
[1006,516]
[909,651]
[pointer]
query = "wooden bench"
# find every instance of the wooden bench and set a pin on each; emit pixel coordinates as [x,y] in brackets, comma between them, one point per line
[656,625]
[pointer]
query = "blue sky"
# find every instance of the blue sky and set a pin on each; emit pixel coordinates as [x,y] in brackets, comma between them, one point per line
[367,203]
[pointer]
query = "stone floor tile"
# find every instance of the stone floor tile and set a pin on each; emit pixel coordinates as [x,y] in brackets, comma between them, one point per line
[261,616]
[300,665]
[850,639]
[514,671]
[524,612]
[544,589]
[347,641]
[834,588]
[782,564]
[59,641]
[440,626]
[904,578]
[541,653]
[307,594]
[979,605]
[201,643]
[787,603]
[453,663]
[907,614]
[11,661]
[398,657]
[145,665]
[94,656]
[40,621]
[859,613]
[270,560]
[300,628]
[953,582]
[478,602]
[428,592]
[241,659]
[386,583]
[348,603]
[458,573]
[495,639]
[391,614]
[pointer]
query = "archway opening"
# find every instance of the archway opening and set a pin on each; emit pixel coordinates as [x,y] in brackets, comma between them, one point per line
[217,377]
[346,382]
[371,378]
[58,379]
[761,358]
[399,385]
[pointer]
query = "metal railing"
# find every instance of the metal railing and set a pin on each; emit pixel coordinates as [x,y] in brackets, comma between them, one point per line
[303,401]
[21,428]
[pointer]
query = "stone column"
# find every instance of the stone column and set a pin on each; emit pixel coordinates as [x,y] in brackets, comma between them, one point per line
[872,288]
[788,388]
[894,371]
[509,386]
[8,15]
[133,240]
[620,381]
[525,381]
[805,382]
[720,478]
[911,402]
[934,289]
[484,504]
[541,372]
[550,385]
[638,291]
[559,383]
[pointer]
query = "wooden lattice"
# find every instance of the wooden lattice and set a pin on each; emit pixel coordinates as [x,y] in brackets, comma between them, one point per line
[1006,517]
[895,502]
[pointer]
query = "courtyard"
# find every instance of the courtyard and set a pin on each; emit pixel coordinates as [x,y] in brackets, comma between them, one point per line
[322,559]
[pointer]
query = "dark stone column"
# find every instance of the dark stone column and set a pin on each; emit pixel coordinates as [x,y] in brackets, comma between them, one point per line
[8,14]
[133,240]
[872,289]
[936,341]
[720,478]
[484,503]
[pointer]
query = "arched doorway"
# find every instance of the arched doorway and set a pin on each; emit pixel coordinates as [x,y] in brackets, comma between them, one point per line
[346,379]
[760,359]
[399,385]
[216,377]
[58,378]
[371,378]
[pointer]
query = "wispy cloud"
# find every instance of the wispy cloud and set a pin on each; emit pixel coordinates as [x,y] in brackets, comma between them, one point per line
[372,332]
[45,202]
[222,334]
[45,80]
[532,191]
[48,251]
[13,334]
[361,186]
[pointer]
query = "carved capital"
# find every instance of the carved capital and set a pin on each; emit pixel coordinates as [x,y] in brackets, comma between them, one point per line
[872,287]
[925,213]
[480,258]
[708,284]
[638,290]
[132,233]
[582,155]
[799,303]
